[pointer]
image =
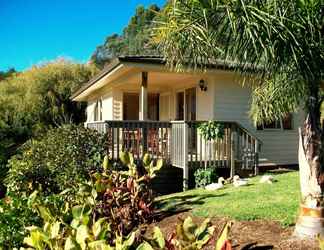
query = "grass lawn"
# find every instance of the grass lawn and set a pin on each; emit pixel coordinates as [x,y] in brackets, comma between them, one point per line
[278,201]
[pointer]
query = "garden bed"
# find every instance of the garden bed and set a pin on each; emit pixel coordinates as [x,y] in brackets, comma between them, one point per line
[258,234]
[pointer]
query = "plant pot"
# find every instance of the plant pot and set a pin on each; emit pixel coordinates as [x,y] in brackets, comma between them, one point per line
[310,222]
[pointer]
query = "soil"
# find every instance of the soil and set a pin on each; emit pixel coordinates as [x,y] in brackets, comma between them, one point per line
[247,235]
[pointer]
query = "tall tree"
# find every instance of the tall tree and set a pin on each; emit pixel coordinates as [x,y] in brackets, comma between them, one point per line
[280,42]
[37,99]
[6,74]
[134,40]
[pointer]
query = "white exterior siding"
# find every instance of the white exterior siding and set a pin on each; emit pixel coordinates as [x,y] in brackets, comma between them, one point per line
[107,107]
[117,105]
[206,101]
[232,103]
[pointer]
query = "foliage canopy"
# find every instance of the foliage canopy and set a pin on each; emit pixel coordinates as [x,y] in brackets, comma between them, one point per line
[36,99]
[282,41]
[134,40]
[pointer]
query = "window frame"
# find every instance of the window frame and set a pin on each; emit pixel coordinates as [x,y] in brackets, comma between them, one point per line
[281,128]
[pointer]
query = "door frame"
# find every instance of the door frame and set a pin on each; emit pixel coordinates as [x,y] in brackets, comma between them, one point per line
[183,90]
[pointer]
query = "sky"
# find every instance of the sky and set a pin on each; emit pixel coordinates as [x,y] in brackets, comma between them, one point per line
[36,31]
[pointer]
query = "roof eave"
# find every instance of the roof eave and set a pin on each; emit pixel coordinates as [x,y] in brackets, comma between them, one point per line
[106,70]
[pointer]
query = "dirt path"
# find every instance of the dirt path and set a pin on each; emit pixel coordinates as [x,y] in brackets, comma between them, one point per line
[248,235]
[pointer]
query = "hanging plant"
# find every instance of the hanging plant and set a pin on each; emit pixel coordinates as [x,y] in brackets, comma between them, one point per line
[211,130]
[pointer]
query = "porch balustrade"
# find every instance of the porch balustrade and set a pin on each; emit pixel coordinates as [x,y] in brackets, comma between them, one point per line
[180,144]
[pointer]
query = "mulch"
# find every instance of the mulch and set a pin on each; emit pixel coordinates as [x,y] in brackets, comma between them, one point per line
[247,235]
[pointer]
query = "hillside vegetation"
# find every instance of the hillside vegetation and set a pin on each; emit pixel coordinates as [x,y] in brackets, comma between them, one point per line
[135,38]
[37,99]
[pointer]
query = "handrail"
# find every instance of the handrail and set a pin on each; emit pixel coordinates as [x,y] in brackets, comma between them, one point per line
[240,126]
[248,132]
[164,122]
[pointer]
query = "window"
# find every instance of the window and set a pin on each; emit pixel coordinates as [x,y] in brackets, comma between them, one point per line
[282,124]
[287,122]
[98,111]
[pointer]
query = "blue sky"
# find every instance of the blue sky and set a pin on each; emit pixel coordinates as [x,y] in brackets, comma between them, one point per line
[34,31]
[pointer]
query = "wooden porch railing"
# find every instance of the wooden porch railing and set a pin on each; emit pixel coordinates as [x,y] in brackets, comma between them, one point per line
[179,143]
[137,137]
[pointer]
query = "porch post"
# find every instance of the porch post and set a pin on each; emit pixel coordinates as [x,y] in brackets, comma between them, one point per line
[232,151]
[143,98]
[185,157]
[143,111]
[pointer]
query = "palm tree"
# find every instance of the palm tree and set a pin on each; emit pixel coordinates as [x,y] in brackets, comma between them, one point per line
[279,42]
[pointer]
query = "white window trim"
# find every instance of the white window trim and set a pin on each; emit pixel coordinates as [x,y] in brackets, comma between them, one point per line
[281,126]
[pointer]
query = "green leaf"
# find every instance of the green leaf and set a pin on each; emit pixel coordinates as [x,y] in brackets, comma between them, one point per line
[99,245]
[223,237]
[97,227]
[144,246]
[55,229]
[35,240]
[45,213]
[77,212]
[32,198]
[69,244]
[189,228]
[146,159]
[129,240]
[202,228]
[159,164]
[105,164]
[82,235]
[125,158]
[158,237]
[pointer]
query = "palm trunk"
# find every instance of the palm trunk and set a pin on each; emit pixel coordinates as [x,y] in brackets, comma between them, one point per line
[311,219]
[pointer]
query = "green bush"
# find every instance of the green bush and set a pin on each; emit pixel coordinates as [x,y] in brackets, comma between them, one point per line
[77,228]
[37,99]
[105,210]
[204,177]
[211,130]
[124,197]
[64,157]
[15,215]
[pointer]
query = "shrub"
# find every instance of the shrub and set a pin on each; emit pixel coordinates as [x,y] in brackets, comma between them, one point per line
[125,197]
[15,215]
[204,177]
[104,211]
[76,228]
[64,157]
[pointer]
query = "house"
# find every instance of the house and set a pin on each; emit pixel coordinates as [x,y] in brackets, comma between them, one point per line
[145,107]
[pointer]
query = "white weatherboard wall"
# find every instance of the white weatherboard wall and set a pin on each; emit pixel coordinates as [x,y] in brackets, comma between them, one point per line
[117,105]
[232,103]
[90,111]
[107,107]
[205,101]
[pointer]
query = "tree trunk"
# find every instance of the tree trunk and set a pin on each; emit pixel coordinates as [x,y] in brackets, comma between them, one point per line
[311,219]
